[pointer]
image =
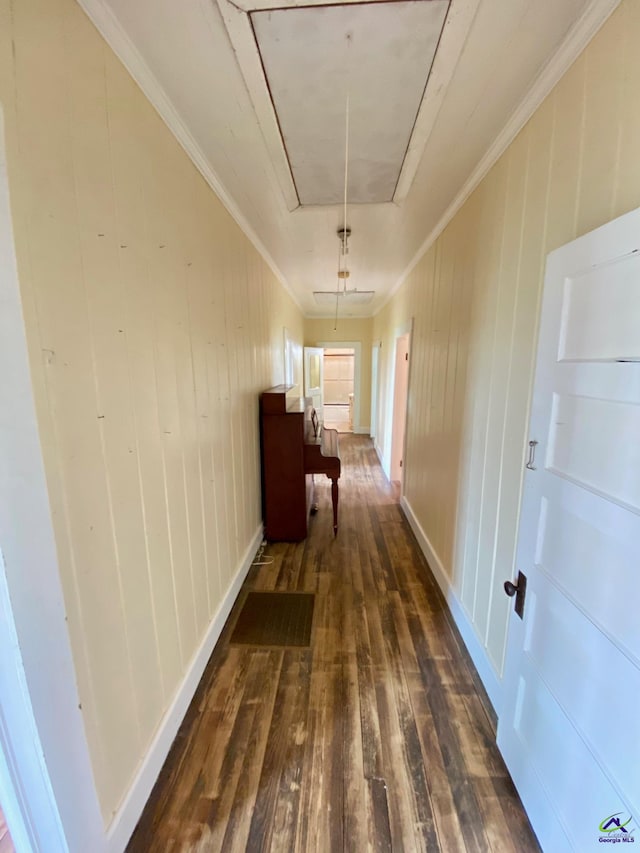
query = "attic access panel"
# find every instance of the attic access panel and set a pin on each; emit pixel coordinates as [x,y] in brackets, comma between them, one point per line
[381,54]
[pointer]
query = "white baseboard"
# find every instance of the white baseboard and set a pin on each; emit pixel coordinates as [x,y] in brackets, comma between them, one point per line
[125,820]
[362,430]
[487,673]
[380,457]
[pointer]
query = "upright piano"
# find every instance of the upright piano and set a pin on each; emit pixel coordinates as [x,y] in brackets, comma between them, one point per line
[294,447]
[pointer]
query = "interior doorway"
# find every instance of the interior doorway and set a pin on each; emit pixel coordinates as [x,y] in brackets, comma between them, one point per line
[373,423]
[401,387]
[314,378]
[339,388]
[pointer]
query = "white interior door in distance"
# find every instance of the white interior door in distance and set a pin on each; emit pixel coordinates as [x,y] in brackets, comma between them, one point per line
[314,377]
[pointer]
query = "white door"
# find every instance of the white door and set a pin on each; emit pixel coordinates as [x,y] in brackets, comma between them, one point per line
[373,428]
[400,390]
[569,727]
[314,376]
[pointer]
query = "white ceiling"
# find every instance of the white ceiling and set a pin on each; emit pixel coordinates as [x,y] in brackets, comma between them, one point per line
[198,62]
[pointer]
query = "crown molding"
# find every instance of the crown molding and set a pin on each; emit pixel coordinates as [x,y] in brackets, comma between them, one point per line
[114,34]
[578,37]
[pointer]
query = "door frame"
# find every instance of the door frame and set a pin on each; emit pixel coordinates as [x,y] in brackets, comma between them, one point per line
[356,346]
[375,360]
[48,789]
[405,328]
[400,406]
[26,797]
[314,392]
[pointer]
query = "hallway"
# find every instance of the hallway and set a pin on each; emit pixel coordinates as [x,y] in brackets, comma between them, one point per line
[378,736]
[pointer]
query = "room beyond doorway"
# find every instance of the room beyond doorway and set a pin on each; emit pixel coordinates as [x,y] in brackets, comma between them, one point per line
[338,388]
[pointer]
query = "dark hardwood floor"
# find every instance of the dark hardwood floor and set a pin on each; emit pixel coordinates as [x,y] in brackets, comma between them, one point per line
[377,737]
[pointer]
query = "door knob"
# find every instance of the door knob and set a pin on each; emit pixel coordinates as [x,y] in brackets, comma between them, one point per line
[510,588]
[519,590]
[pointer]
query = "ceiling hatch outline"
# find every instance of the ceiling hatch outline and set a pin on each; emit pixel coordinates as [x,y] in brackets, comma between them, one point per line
[456,22]
[379,55]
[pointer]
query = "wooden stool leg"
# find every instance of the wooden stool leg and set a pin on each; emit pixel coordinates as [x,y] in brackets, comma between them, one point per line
[334,501]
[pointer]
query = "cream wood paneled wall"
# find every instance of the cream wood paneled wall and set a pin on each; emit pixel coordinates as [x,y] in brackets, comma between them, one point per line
[349,329]
[152,325]
[475,297]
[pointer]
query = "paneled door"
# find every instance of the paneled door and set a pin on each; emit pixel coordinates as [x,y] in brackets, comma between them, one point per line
[569,728]
[314,376]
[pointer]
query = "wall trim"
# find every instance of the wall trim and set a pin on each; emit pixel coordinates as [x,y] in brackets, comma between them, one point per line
[124,822]
[584,29]
[111,30]
[365,430]
[379,454]
[477,651]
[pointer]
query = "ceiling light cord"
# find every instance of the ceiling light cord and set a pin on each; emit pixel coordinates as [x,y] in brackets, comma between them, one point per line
[346,179]
[335,319]
[343,239]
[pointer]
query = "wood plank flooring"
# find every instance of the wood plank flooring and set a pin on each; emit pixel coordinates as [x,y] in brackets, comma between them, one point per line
[377,737]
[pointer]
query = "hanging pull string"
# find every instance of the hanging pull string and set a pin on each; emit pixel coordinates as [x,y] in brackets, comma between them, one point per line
[343,246]
[346,148]
[335,322]
[346,181]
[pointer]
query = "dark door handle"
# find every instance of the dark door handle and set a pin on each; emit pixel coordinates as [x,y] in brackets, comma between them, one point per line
[532,457]
[510,588]
[519,590]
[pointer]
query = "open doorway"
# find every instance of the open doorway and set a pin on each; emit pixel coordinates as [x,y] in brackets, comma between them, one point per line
[339,388]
